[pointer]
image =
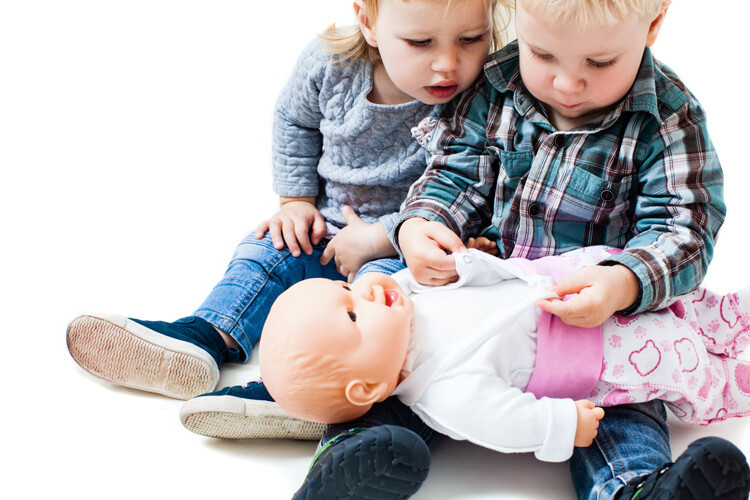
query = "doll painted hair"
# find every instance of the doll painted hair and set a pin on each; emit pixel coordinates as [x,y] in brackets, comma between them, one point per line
[588,12]
[348,42]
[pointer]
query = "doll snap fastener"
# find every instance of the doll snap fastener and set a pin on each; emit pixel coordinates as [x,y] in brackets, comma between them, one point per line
[467,259]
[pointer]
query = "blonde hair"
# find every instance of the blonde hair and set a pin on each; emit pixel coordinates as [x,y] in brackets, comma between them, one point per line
[593,12]
[348,42]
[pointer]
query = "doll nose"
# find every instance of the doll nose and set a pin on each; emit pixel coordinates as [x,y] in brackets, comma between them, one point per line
[378,294]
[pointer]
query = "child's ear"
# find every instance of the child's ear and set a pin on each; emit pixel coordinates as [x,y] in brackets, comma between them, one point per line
[365,23]
[361,393]
[653,30]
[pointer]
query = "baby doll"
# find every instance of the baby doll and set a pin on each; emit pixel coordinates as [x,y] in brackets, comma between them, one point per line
[477,360]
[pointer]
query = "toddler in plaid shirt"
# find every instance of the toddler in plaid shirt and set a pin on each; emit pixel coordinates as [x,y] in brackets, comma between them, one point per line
[576,136]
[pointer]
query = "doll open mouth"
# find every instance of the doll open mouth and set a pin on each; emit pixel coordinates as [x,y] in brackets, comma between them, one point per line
[391,296]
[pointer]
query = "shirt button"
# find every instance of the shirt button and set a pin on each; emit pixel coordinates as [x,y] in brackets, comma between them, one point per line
[534,209]
[559,141]
[608,195]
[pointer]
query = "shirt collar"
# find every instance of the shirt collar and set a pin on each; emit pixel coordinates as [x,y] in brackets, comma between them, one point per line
[502,72]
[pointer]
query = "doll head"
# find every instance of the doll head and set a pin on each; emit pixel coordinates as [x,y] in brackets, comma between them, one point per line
[330,350]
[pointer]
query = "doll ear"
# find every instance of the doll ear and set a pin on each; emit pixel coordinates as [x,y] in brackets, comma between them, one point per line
[360,393]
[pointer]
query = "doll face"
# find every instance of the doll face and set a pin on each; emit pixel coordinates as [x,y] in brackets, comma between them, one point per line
[369,319]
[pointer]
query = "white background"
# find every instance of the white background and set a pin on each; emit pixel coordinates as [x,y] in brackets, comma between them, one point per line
[134,155]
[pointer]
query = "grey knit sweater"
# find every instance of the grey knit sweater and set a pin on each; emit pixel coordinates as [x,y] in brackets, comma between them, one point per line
[330,142]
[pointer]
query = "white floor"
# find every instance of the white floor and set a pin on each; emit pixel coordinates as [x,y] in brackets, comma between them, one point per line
[134,155]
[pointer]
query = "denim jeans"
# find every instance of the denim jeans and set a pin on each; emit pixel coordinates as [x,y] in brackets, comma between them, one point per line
[632,440]
[257,274]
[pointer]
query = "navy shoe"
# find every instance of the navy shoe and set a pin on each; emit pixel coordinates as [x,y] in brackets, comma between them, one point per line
[379,463]
[179,360]
[245,412]
[710,468]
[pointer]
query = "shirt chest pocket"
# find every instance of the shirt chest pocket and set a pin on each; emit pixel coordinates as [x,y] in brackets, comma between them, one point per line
[589,198]
[513,170]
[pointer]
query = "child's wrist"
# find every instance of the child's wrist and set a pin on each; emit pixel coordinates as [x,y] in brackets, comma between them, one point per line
[631,287]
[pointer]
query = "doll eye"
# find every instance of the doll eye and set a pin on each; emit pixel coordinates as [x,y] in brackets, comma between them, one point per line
[352,316]
[346,287]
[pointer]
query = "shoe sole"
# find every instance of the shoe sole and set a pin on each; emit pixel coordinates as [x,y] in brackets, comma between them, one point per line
[127,353]
[380,463]
[711,467]
[229,417]
[714,468]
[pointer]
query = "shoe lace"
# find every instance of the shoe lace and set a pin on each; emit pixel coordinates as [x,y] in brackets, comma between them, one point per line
[642,484]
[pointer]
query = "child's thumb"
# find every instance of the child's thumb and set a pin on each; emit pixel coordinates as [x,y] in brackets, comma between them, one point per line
[349,214]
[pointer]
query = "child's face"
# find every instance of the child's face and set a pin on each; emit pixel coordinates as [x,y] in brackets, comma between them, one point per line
[579,72]
[431,53]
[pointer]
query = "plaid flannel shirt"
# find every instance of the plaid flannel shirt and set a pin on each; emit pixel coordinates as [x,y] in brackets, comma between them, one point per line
[643,177]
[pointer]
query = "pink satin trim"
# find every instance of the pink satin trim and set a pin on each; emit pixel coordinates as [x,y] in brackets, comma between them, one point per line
[568,358]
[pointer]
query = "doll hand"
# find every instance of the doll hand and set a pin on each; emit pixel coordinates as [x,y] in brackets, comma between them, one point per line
[425,246]
[599,292]
[298,223]
[482,244]
[358,242]
[588,422]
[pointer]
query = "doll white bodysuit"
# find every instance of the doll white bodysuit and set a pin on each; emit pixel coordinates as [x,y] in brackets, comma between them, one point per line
[503,374]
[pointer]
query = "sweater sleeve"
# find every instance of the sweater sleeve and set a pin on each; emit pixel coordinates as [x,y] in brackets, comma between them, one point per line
[297,140]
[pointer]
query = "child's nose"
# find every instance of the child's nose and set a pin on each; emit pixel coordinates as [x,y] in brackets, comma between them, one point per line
[568,83]
[446,60]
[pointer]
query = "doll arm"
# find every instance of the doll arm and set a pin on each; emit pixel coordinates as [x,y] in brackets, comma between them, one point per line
[588,422]
[482,408]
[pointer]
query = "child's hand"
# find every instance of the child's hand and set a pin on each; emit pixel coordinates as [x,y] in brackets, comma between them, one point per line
[482,244]
[600,291]
[298,223]
[424,245]
[358,242]
[588,422]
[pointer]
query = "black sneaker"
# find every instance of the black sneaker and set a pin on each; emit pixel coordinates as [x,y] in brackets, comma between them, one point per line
[245,412]
[379,463]
[711,468]
[180,359]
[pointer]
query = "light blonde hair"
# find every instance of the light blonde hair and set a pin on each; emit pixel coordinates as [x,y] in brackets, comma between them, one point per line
[593,12]
[348,42]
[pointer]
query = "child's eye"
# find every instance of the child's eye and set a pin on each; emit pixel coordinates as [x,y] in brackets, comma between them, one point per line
[418,43]
[352,316]
[541,57]
[472,39]
[601,64]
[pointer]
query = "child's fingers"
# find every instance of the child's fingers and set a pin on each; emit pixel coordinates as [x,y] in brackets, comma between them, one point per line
[446,239]
[277,237]
[328,254]
[290,237]
[261,229]
[319,228]
[302,233]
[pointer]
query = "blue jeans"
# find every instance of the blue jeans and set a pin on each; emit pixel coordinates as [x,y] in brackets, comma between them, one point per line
[632,440]
[257,274]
